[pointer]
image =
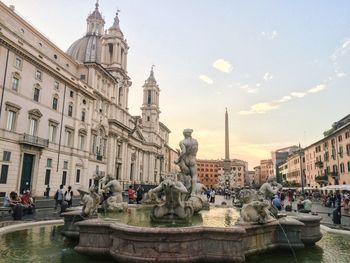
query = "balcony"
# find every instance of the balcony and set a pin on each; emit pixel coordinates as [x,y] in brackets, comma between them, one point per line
[319,164]
[321,178]
[34,141]
[333,174]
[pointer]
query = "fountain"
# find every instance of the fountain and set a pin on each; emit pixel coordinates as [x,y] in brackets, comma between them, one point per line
[260,227]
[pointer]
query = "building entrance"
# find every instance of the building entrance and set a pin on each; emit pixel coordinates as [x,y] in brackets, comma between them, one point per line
[27,170]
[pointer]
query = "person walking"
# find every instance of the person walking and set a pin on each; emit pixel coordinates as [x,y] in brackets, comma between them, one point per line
[59,196]
[68,196]
[131,195]
[47,193]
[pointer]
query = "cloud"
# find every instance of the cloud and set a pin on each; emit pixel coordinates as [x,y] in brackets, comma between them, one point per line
[340,74]
[222,65]
[261,107]
[317,88]
[298,94]
[206,79]
[284,99]
[268,76]
[341,50]
[248,89]
[269,35]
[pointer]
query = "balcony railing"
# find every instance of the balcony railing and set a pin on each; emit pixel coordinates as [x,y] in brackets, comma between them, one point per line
[319,164]
[34,141]
[333,174]
[321,178]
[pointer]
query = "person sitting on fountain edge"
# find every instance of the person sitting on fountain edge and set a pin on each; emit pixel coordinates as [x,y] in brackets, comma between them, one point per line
[306,205]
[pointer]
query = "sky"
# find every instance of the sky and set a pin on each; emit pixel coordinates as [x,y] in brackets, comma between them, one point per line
[281,68]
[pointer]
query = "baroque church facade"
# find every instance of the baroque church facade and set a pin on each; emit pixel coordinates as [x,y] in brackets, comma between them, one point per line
[64,116]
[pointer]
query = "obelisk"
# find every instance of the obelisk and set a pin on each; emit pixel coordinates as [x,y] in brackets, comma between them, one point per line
[227,161]
[227,144]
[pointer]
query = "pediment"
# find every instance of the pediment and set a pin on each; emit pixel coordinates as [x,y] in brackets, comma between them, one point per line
[35,112]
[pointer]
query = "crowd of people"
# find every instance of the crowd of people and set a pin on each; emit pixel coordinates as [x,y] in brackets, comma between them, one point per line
[336,199]
[20,204]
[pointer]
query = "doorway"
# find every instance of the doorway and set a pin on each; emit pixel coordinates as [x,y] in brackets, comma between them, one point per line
[27,170]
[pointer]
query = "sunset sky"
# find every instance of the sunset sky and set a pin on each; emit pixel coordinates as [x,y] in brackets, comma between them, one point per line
[280,67]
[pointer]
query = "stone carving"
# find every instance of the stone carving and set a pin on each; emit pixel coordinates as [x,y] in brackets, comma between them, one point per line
[115,201]
[174,207]
[257,207]
[181,192]
[187,157]
[90,200]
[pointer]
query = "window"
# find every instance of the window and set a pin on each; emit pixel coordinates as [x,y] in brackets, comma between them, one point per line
[341,151]
[18,63]
[342,168]
[6,156]
[82,77]
[81,142]
[347,135]
[4,172]
[49,162]
[33,126]
[56,85]
[52,132]
[38,75]
[15,83]
[36,94]
[11,118]
[83,116]
[69,137]
[54,103]
[77,176]
[64,177]
[149,96]
[70,110]
[340,138]
[71,94]
[65,165]
[47,176]
[148,118]
[349,166]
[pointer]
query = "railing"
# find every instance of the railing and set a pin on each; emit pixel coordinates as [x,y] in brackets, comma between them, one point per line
[319,164]
[34,140]
[321,178]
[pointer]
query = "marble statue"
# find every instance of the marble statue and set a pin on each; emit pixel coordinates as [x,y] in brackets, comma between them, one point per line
[90,200]
[257,207]
[187,157]
[115,201]
[175,207]
[270,188]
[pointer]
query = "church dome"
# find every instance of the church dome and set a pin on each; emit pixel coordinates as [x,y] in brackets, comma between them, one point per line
[86,49]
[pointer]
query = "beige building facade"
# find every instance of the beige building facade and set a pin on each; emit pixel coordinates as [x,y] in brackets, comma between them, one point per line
[64,116]
[266,170]
[328,160]
[295,168]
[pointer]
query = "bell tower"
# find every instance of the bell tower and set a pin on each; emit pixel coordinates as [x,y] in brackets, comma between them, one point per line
[150,106]
[95,22]
[114,48]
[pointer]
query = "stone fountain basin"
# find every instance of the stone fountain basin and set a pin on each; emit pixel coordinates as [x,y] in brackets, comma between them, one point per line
[127,243]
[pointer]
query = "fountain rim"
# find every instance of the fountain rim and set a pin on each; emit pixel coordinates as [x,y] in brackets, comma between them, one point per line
[23,226]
